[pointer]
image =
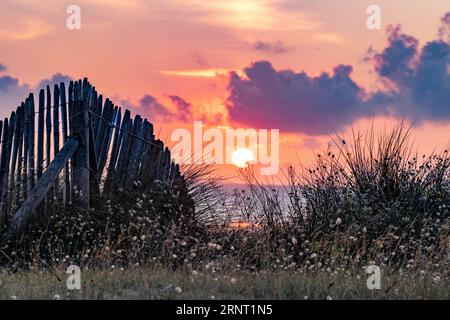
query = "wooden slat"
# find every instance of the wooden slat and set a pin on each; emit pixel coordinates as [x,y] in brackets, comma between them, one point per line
[19,185]
[65,136]
[56,133]
[135,150]
[98,111]
[6,195]
[107,110]
[14,158]
[26,145]
[48,126]
[3,165]
[69,106]
[146,150]
[104,150]
[124,151]
[131,141]
[40,142]
[94,179]
[85,90]
[55,120]
[118,169]
[114,153]
[166,167]
[156,158]
[1,128]
[115,149]
[31,161]
[63,105]
[80,170]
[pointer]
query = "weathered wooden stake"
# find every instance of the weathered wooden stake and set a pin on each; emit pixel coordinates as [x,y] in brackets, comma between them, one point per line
[31,159]
[56,133]
[66,187]
[6,195]
[80,129]
[14,158]
[48,126]
[40,146]
[3,164]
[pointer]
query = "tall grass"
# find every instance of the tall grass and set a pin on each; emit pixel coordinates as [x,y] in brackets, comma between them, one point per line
[364,200]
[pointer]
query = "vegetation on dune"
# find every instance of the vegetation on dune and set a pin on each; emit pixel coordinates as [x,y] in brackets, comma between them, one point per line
[365,201]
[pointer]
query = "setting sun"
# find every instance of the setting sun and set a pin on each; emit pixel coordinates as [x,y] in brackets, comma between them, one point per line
[241,157]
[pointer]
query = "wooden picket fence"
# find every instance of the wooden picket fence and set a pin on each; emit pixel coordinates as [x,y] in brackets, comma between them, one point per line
[84,145]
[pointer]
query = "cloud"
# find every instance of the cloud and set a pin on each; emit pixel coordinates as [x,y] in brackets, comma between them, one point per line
[395,62]
[2,67]
[25,20]
[276,47]
[250,14]
[417,87]
[420,76]
[12,92]
[180,111]
[295,102]
[444,30]
[7,82]
[57,78]
[154,108]
[184,108]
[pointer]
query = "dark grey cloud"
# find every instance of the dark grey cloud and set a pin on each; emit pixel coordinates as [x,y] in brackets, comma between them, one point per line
[418,88]
[155,109]
[395,62]
[276,47]
[56,78]
[296,102]
[7,82]
[420,76]
[184,108]
[2,67]
[444,30]
[12,93]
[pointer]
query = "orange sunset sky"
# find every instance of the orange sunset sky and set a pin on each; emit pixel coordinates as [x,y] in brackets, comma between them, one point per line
[305,67]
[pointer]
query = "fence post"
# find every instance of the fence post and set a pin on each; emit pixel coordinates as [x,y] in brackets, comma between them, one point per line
[80,125]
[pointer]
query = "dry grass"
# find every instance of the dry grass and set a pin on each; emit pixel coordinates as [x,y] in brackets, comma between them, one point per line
[157,283]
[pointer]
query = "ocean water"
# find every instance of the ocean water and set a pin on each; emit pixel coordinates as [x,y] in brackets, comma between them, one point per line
[233,205]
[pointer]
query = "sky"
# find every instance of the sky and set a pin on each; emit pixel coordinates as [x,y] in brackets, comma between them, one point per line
[307,68]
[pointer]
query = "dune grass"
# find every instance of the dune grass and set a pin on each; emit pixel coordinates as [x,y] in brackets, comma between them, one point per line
[367,201]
